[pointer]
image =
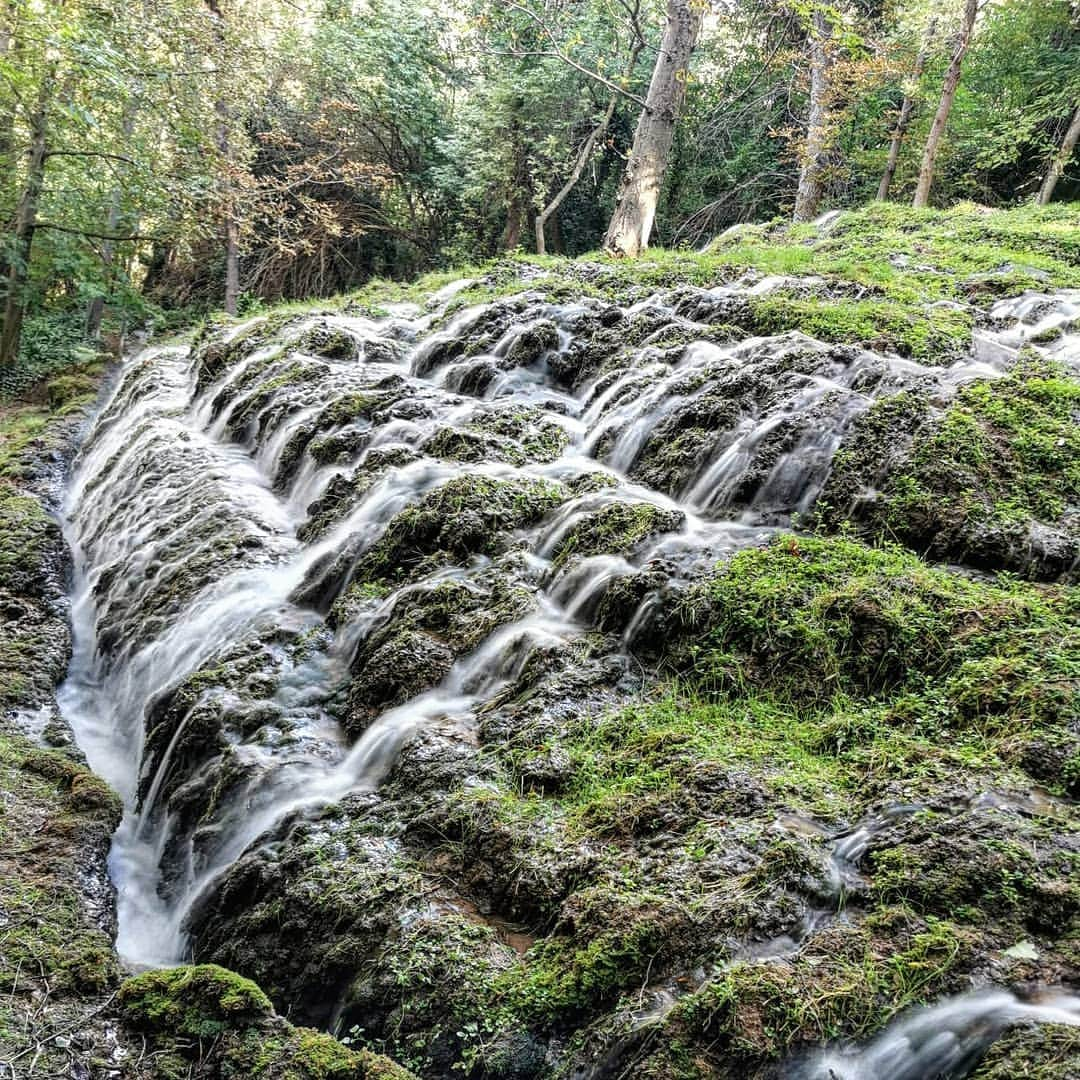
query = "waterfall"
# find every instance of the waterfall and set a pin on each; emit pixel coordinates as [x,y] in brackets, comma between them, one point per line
[944,1040]
[227,496]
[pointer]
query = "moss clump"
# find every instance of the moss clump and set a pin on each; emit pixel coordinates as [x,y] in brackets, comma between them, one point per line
[354,407]
[235,1030]
[1049,1052]
[541,439]
[616,529]
[199,1002]
[469,515]
[55,821]
[934,335]
[76,388]
[815,618]
[516,436]
[843,984]
[330,341]
[964,253]
[434,992]
[620,935]
[86,792]
[973,482]
[968,873]
[28,537]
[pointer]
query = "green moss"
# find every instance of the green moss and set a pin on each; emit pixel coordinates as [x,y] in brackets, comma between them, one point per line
[199,1002]
[821,676]
[1048,1052]
[86,792]
[616,529]
[845,983]
[815,618]
[26,533]
[465,516]
[966,252]
[234,1026]
[970,876]
[54,813]
[570,976]
[969,482]
[354,407]
[540,438]
[933,335]
[73,389]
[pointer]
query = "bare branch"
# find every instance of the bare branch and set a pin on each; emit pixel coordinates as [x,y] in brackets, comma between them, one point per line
[555,53]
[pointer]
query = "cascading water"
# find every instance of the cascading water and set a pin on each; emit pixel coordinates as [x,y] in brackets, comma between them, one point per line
[945,1040]
[226,497]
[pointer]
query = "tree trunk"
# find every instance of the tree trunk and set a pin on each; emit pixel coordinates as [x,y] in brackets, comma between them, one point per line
[10,46]
[907,107]
[511,236]
[232,260]
[575,175]
[639,191]
[556,236]
[25,224]
[812,173]
[517,189]
[232,225]
[1061,159]
[96,309]
[941,117]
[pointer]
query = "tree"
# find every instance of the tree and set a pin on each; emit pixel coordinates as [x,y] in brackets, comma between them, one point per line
[26,219]
[815,153]
[595,136]
[948,95]
[231,224]
[1061,159]
[907,107]
[639,191]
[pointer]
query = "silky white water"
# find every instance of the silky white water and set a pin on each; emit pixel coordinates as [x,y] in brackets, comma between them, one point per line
[188,514]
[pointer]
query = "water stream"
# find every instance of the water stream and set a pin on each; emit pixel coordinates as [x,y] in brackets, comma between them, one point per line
[190,516]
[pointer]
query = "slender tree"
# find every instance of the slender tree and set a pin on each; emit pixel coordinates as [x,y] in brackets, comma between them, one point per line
[907,107]
[815,153]
[639,191]
[96,308]
[595,136]
[231,224]
[26,219]
[948,95]
[1061,159]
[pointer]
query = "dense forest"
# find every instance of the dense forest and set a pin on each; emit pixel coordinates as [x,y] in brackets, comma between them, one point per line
[168,157]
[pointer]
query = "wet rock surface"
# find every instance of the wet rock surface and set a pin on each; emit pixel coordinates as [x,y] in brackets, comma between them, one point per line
[496,709]
[65,1010]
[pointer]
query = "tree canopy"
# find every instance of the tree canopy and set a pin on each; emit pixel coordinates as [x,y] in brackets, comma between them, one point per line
[166,157]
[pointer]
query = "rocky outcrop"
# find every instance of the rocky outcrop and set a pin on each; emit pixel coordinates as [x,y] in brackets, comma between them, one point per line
[591,673]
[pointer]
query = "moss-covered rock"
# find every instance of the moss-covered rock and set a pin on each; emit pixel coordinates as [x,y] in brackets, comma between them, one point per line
[211,1022]
[199,1002]
[468,515]
[1048,1052]
[616,528]
[992,480]
[817,617]
[57,963]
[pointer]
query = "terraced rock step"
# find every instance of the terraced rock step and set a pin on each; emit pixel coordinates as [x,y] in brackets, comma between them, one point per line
[467,686]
